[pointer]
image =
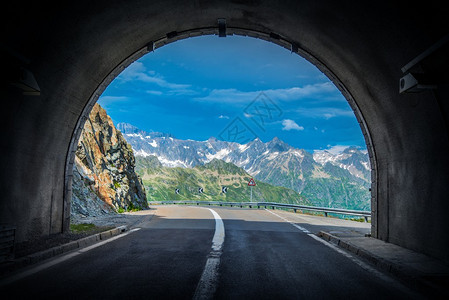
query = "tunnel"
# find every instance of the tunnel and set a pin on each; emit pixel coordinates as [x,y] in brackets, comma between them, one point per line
[387,59]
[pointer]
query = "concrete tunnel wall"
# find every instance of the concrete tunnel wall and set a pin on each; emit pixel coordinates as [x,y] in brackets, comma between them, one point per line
[72,49]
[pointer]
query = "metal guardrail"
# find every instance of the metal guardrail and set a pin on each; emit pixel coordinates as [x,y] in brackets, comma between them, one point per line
[273,205]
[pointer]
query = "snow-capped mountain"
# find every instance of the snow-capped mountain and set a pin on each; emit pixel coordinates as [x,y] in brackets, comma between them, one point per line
[352,159]
[324,178]
[275,161]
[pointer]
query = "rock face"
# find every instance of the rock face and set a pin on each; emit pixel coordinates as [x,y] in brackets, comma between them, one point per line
[104,179]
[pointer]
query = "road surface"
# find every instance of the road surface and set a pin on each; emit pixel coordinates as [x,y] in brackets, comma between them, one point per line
[189,252]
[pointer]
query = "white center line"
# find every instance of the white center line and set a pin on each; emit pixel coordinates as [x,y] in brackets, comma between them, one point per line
[209,279]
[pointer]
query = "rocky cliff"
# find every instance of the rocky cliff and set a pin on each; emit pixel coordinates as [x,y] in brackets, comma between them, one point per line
[104,179]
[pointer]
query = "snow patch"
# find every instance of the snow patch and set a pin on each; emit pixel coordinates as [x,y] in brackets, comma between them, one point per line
[272,155]
[172,163]
[243,148]
[142,152]
[366,165]
[219,155]
[322,157]
[298,153]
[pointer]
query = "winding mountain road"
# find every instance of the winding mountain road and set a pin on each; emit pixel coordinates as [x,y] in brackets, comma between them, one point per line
[188,252]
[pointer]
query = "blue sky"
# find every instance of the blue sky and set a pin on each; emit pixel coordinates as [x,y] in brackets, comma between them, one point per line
[233,88]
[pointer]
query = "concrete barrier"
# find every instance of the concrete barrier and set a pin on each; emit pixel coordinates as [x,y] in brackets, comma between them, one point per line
[37,257]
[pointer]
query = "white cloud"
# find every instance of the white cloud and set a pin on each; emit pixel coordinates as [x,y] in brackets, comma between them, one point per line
[295,93]
[137,71]
[247,115]
[337,149]
[151,92]
[325,112]
[223,117]
[291,125]
[228,96]
[109,99]
[287,94]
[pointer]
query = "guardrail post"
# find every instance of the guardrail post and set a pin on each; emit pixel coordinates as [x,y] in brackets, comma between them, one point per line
[197,203]
[325,214]
[366,219]
[294,209]
[273,207]
[250,206]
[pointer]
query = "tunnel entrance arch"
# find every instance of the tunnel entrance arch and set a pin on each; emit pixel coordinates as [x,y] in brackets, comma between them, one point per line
[73,48]
[219,31]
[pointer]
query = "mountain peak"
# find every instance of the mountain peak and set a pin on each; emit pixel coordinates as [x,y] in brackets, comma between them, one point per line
[127,128]
[255,144]
[350,150]
[223,167]
[278,145]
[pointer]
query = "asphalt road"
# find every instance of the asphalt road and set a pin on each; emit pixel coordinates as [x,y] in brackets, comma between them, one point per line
[170,256]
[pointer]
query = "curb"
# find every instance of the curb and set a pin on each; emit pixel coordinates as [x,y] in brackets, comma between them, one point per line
[58,250]
[408,275]
[374,259]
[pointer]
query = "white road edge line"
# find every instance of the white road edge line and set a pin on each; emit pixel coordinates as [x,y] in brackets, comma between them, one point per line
[61,259]
[208,282]
[341,251]
[291,223]
[344,253]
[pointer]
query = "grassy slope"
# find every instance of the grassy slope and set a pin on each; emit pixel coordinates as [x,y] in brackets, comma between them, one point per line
[160,183]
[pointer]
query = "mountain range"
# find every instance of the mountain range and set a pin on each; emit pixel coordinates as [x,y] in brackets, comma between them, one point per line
[323,178]
[166,183]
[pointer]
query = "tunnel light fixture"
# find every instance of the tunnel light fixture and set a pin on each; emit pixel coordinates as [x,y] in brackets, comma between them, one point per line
[415,78]
[27,83]
[413,83]
[150,46]
[221,27]
[294,48]
[17,75]
[172,34]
